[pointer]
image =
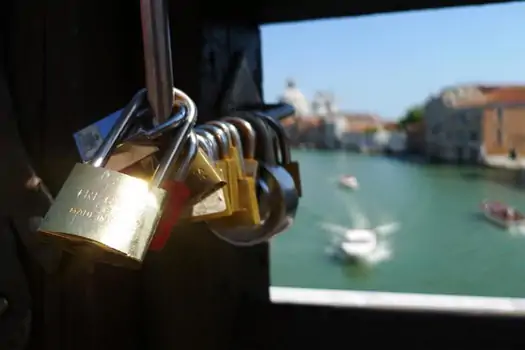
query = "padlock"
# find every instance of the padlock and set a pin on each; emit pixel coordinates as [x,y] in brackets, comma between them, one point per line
[271,160]
[113,214]
[143,134]
[235,152]
[248,213]
[178,194]
[128,155]
[283,144]
[248,141]
[89,139]
[143,169]
[226,162]
[278,194]
[206,145]
[202,179]
[218,203]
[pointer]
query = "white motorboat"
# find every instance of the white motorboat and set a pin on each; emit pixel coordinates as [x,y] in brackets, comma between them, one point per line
[356,244]
[502,214]
[349,181]
[359,243]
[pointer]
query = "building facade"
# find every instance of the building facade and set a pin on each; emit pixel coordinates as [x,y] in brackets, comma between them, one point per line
[475,123]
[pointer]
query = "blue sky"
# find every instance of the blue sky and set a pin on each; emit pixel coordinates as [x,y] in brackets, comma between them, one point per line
[385,63]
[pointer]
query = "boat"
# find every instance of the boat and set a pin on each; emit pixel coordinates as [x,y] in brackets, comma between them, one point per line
[355,244]
[349,181]
[502,214]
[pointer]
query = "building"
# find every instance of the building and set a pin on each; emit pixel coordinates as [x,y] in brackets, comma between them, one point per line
[293,96]
[415,138]
[358,133]
[475,123]
[320,124]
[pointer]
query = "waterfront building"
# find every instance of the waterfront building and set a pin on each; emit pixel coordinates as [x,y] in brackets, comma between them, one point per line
[477,124]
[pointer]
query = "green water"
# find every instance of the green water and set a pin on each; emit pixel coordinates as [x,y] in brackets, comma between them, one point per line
[442,245]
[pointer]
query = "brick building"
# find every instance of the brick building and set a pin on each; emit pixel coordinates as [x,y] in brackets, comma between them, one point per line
[475,123]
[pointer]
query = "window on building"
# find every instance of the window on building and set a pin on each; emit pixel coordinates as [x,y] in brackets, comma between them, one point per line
[473,136]
[499,137]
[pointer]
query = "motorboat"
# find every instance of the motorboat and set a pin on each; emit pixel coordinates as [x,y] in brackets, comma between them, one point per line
[349,181]
[355,244]
[502,214]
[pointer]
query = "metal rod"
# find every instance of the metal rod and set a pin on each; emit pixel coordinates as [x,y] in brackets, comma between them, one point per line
[157,57]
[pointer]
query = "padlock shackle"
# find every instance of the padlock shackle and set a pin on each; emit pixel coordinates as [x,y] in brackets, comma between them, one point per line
[191,146]
[103,153]
[237,142]
[265,150]
[234,139]
[210,141]
[282,139]
[157,131]
[224,128]
[175,149]
[204,143]
[247,134]
[221,139]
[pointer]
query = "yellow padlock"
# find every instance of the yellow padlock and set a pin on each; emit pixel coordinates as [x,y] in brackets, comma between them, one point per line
[226,160]
[218,204]
[248,215]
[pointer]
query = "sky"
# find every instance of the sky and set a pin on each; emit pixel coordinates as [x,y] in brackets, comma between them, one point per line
[386,63]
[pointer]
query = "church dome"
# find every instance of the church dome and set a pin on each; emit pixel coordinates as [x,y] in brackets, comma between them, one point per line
[296,98]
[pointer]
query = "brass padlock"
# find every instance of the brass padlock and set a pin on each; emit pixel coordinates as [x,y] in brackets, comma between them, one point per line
[226,162]
[113,214]
[248,140]
[248,213]
[202,179]
[218,203]
[128,155]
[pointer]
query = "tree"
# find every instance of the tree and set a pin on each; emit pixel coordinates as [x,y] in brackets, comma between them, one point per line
[412,115]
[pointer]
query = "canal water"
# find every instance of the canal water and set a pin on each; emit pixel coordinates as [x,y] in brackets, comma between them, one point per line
[442,245]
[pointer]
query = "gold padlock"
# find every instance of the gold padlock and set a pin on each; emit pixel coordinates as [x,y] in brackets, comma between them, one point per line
[128,155]
[226,161]
[218,203]
[248,141]
[202,179]
[111,214]
[248,214]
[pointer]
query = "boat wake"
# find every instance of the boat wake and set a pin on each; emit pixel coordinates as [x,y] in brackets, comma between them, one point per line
[517,231]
